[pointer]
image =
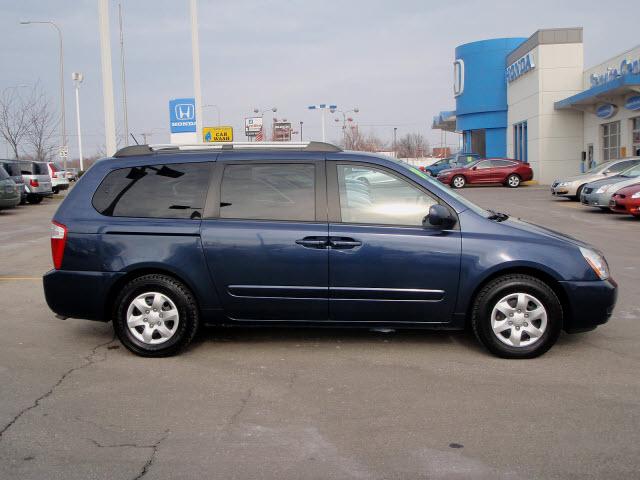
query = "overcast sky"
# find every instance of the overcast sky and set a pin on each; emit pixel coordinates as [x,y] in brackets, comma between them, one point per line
[392,59]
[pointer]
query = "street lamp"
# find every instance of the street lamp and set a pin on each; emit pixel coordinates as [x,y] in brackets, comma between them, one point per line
[301,122]
[77,78]
[217,109]
[63,129]
[323,107]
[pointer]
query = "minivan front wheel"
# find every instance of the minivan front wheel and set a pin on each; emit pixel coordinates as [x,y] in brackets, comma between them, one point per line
[517,316]
[156,316]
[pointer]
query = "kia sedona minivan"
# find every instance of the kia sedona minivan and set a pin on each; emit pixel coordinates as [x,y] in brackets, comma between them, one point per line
[163,239]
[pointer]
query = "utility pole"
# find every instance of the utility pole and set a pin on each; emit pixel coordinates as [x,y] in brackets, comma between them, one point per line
[195,53]
[301,130]
[395,148]
[107,78]
[77,79]
[123,79]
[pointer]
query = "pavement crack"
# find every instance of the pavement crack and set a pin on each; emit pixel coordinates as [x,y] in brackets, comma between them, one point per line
[152,457]
[243,403]
[89,359]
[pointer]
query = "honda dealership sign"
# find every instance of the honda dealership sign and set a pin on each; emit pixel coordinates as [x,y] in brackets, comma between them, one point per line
[182,115]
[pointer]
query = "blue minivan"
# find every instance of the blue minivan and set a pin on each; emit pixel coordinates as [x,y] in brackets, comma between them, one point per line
[163,239]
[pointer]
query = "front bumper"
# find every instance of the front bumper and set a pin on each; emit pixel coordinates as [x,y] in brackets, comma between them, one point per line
[589,304]
[600,200]
[79,294]
[564,190]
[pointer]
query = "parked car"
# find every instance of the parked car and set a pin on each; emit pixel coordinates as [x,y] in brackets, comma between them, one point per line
[72,174]
[571,187]
[626,200]
[492,170]
[598,194]
[9,191]
[458,160]
[12,167]
[161,240]
[58,176]
[37,181]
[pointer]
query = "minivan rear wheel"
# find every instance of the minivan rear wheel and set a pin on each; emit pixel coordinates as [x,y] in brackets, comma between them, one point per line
[517,316]
[156,316]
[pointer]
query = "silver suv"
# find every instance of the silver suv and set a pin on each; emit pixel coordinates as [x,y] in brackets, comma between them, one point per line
[37,182]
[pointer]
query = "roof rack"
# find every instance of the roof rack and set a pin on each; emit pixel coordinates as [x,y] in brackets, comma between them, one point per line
[135,150]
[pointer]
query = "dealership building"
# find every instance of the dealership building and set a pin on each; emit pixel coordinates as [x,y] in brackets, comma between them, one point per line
[532,99]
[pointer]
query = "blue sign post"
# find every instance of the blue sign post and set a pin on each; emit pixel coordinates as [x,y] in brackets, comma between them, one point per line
[182,115]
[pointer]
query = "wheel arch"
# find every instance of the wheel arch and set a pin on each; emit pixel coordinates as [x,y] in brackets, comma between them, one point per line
[537,273]
[116,287]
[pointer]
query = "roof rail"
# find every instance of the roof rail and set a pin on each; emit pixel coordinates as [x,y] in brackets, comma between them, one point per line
[170,147]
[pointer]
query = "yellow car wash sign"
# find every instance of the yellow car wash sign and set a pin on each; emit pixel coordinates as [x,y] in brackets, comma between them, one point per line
[217,134]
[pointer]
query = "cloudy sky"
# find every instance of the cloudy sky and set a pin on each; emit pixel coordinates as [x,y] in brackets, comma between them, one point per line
[392,59]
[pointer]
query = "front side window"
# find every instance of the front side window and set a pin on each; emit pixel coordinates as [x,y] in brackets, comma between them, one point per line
[154,191]
[374,196]
[484,164]
[268,192]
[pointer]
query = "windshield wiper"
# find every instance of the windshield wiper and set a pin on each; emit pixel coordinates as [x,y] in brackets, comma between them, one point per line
[497,216]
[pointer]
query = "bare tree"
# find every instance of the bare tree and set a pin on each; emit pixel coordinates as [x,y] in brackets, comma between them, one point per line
[354,140]
[42,123]
[412,145]
[14,118]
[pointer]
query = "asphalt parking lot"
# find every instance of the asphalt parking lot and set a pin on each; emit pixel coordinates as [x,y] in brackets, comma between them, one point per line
[322,404]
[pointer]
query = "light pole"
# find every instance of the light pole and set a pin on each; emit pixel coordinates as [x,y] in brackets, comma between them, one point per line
[344,121]
[123,79]
[301,130]
[217,109]
[395,151]
[63,129]
[272,109]
[107,78]
[195,53]
[323,107]
[77,78]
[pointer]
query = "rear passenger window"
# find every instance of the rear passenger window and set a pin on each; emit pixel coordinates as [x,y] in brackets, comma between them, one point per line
[268,192]
[502,163]
[155,191]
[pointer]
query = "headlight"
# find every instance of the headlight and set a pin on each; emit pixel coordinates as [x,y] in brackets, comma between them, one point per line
[563,184]
[636,195]
[596,262]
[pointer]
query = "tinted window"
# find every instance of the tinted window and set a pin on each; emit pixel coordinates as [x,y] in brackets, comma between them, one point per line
[12,169]
[501,163]
[3,174]
[40,168]
[154,191]
[483,164]
[268,192]
[370,195]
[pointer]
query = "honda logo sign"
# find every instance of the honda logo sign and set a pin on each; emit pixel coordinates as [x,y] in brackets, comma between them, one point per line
[182,115]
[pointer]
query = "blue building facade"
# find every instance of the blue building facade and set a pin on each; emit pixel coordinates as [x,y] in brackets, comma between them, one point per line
[481,95]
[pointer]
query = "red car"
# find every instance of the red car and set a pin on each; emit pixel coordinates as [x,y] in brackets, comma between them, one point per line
[626,200]
[491,170]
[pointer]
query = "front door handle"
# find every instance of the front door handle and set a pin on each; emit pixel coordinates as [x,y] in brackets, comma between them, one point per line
[343,243]
[313,242]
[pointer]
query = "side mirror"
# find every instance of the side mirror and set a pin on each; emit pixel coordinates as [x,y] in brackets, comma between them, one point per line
[474,168]
[606,172]
[439,216]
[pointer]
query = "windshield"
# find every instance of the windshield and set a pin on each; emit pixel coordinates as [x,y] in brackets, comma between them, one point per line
[631,172]
[598,168]
[438,187]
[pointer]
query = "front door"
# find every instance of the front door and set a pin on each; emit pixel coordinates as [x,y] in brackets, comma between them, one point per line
[384,265]
[267,247]
[481,172]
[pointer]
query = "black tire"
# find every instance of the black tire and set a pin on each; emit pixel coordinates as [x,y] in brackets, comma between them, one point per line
[491,294]
[34,199]
[513,180]
[460,180]
[55,190]
[180,295]
[578,193]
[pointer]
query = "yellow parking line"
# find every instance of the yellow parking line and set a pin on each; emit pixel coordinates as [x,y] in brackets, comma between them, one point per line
[19,278]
